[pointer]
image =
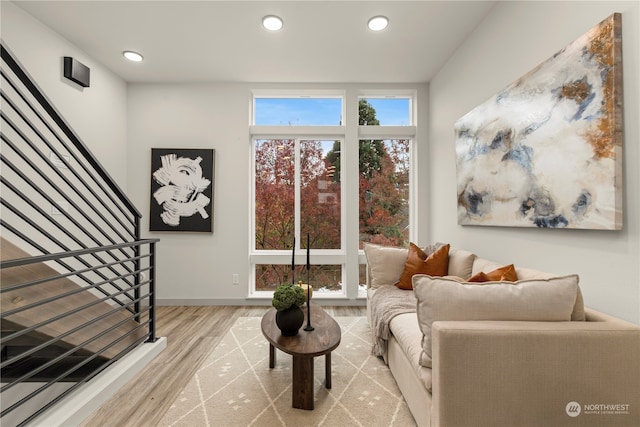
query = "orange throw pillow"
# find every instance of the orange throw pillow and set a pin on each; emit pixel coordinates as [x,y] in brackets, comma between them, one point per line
[418,262]
[502,274]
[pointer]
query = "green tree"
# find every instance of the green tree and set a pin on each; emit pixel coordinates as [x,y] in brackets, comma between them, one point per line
[367,114]
[384,184]
[371,150]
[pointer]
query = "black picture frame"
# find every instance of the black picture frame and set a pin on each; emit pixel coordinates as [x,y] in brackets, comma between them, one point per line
[182,189]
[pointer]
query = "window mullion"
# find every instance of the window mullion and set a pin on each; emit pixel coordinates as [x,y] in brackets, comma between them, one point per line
[297,183]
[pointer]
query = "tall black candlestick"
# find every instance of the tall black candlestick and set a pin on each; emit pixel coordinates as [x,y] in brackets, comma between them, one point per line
[308,327]
[293,260]
[308,263]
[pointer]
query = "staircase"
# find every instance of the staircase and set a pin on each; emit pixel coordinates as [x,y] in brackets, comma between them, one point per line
[77,289]
[56,298]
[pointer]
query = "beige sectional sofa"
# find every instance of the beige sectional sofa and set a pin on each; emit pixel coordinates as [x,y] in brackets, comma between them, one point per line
[581,370]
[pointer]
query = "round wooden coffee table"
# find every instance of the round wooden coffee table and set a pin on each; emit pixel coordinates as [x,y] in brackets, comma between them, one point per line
[304,347]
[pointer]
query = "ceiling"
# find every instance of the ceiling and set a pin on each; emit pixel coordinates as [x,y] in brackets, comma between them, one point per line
[321,41]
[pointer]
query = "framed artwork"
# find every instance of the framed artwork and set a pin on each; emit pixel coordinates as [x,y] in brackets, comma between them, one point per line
[547,150]
[182,182]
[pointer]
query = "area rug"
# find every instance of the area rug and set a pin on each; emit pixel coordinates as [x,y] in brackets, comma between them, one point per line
[234,387]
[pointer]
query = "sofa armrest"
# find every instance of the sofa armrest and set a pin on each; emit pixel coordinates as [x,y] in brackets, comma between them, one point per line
[503,373]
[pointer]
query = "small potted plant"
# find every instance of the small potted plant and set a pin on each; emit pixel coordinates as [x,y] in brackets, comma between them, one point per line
[287,300]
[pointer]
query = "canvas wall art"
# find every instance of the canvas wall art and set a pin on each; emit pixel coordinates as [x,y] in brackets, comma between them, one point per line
[181,190]
[547,150]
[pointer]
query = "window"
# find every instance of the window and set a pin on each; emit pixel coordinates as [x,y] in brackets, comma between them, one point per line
[384,111]
[320,193]
[341,183]
[297,193]
[384,192]
[274,193]
[300,111]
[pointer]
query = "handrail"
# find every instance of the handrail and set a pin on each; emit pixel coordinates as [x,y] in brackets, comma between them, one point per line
[50,257]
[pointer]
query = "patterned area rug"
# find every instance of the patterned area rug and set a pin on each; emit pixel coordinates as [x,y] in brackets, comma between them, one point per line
[235,387]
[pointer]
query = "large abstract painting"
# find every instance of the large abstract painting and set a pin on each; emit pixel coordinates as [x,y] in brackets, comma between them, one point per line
[181,189]
[547,150]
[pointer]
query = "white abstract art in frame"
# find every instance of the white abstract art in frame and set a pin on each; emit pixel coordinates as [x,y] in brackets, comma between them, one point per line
[547,150]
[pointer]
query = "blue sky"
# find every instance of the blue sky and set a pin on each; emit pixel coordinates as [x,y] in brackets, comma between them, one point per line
[325,111]
[391,111]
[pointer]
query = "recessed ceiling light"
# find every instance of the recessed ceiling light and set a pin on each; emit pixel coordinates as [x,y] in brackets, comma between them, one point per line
[378,23]
[272,22]
[132,56]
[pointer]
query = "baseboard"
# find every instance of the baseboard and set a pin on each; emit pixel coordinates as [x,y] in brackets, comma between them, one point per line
[252,301]
[80,404]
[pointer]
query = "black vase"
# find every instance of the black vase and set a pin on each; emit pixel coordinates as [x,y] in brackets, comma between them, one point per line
[290,320]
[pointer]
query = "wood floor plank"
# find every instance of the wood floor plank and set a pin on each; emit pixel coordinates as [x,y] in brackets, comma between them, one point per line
[192,333]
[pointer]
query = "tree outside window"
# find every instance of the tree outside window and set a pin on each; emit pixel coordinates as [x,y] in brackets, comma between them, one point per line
[275,206]
[383,185]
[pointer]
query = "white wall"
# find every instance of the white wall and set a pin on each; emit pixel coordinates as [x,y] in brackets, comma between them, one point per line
[514,38]
[98,113]
[197,268]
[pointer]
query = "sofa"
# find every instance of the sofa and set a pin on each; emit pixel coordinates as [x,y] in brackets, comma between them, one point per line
[498,352]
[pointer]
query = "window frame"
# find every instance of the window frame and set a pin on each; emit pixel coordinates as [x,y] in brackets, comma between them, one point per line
[349,133]
[283,257]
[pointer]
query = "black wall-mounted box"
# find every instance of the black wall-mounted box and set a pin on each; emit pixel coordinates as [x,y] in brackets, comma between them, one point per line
[76,71]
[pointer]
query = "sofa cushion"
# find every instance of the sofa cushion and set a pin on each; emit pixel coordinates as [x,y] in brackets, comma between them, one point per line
[461,262]
[407,333]
[484,265]
[385,264]
[421,262]
[533,300]
[506,273]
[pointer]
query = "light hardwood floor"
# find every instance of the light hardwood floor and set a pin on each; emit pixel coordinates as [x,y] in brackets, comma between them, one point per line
[192,333]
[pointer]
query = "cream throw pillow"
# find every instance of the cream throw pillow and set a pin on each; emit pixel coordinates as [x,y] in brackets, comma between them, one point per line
[481,264]
[461,262]
[441,298]
[385,264]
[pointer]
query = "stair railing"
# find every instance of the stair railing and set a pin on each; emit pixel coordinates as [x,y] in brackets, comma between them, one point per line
[78,282]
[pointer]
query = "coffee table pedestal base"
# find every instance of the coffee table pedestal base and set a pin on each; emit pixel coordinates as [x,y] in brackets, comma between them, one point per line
[303,348]
[302,378]
[302,390]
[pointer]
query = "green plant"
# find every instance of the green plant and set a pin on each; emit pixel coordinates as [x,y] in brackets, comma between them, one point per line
[286,296]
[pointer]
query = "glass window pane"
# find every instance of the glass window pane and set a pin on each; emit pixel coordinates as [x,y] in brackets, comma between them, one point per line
[323,278]
[298,111]
[319,194]
[274,195]
[384,111]
[362,288]
[269,276]
[384,192]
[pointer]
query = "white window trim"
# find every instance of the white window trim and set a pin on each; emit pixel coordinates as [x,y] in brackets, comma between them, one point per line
[319,256]
[350,133]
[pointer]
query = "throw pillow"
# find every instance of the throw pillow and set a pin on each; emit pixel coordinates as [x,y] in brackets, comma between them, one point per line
[502,274]
[419,262]
[481,264]
[384,264]
[461,262]
[528,300]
